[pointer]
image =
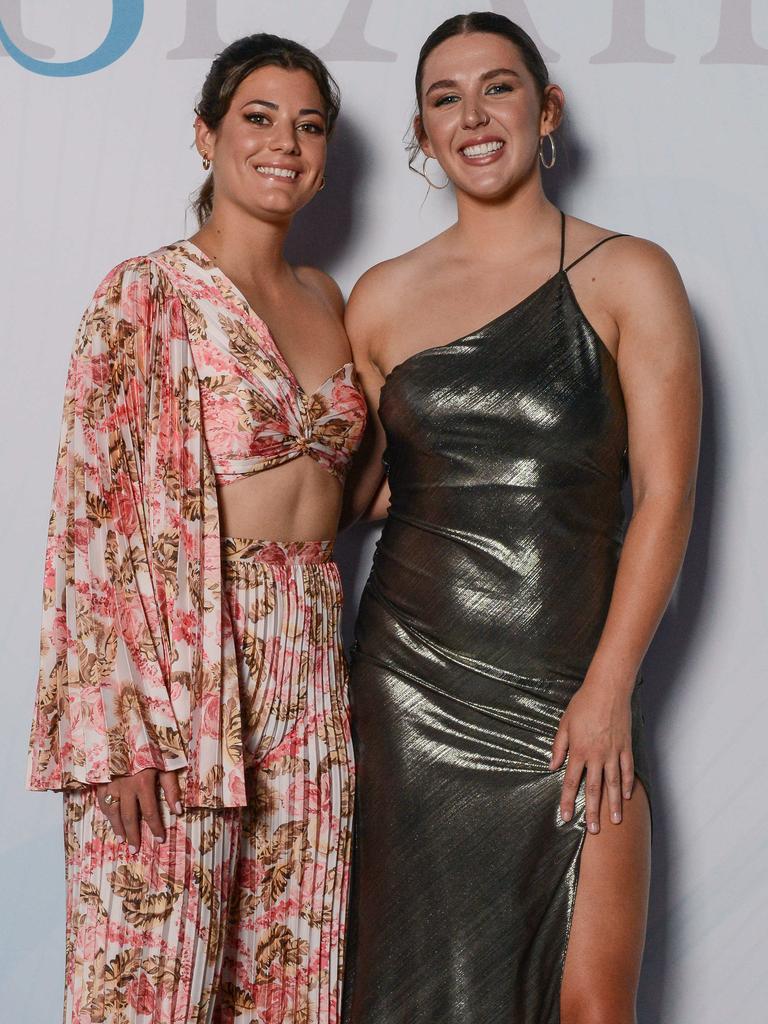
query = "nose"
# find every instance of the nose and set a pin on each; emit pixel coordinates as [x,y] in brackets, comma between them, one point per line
[284,139]
[475,116]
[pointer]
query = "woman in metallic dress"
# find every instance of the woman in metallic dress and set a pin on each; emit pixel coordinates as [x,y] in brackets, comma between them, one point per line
[521,363]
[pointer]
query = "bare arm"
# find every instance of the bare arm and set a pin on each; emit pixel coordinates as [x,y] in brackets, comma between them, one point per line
[367,493]
[659,368]
[661,379]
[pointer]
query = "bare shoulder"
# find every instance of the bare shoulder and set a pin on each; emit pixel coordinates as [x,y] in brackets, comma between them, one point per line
[650,305]
[323,285]
[627,261]
[385,286]
[643,280]
[375,286]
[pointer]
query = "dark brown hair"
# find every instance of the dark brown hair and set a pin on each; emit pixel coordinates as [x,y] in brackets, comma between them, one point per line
[233,65]
[478,21]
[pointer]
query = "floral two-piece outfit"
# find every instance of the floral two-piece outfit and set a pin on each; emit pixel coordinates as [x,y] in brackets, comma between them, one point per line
[166,645]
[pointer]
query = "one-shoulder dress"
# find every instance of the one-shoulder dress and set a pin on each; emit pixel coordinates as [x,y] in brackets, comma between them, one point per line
[506,455]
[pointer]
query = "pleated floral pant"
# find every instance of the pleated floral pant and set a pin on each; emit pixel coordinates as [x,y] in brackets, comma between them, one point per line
[239,916]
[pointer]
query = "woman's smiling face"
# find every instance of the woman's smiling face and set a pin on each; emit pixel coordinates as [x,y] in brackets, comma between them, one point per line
[269,150]
[483,113]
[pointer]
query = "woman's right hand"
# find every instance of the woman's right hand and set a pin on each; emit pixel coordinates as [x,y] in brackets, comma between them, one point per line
[136,797]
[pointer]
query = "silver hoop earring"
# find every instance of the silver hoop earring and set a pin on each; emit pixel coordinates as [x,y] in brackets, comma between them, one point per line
[553,156]
[425,175]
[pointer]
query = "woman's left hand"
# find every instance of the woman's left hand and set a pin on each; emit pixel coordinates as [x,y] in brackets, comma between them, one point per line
[595,733]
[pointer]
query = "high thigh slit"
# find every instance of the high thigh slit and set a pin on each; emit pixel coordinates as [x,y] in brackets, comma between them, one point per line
[506,455]
[639,784]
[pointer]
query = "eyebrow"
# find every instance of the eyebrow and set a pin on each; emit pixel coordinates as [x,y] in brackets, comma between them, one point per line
[449,83]
[274,106]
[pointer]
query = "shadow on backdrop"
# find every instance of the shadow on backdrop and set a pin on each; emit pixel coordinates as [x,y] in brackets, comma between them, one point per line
[571,164]
[663,664]
[322,230]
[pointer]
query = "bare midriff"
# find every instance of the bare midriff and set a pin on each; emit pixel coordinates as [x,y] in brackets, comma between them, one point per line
[296,501]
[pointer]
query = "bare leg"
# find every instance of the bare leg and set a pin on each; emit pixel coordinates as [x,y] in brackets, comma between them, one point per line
[605,947]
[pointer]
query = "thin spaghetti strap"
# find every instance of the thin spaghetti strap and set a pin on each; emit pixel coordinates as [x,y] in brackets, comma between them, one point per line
[562,241]
[596,246]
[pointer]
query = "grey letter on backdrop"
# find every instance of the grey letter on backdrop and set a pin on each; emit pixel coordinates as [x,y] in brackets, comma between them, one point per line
[10,15]
[348,42]
[517,11]
[628,44]
[736,44]
[201,32]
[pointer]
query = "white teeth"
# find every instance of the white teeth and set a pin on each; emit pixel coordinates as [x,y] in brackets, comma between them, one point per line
[483,149]
[279,172]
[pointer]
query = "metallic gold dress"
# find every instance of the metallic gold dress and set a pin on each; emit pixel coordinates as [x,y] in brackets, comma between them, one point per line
[506,453]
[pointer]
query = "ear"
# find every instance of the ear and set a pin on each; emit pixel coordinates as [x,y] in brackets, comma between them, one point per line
[551,109]
[421,136]
[205,138]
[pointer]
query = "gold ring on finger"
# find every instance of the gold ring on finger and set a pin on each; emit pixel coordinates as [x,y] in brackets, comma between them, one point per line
[110,799]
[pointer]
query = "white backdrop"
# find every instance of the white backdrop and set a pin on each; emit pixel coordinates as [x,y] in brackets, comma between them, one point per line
[665,139]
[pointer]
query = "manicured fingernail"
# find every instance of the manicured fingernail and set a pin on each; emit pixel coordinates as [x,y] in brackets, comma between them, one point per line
[566,815]
[593,826]
[133,849]
[178,808]
[628,794]
[119,839]
[616,816]
[158,839]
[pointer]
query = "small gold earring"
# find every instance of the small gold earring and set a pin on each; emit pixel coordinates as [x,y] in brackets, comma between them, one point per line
[425,175]
[206,162]
[322,184]
[553,155]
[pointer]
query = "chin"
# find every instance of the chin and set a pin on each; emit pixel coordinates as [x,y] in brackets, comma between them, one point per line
[489,191]
[276,206]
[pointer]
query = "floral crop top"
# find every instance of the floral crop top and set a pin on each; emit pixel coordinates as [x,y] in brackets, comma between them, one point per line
[255,413]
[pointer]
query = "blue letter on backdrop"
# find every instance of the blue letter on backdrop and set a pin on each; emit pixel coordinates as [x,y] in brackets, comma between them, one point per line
[127,16]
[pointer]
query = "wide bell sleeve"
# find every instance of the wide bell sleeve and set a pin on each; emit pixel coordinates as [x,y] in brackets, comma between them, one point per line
[103,705]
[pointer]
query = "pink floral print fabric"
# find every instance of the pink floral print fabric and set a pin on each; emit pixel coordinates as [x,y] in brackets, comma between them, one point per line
[239,916]
[255,412]
[138,667]
[283,958]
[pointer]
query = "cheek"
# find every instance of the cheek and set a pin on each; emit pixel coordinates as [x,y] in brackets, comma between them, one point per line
[527,119]
[439,132]
[315,150]
[240,138]
[245,141]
